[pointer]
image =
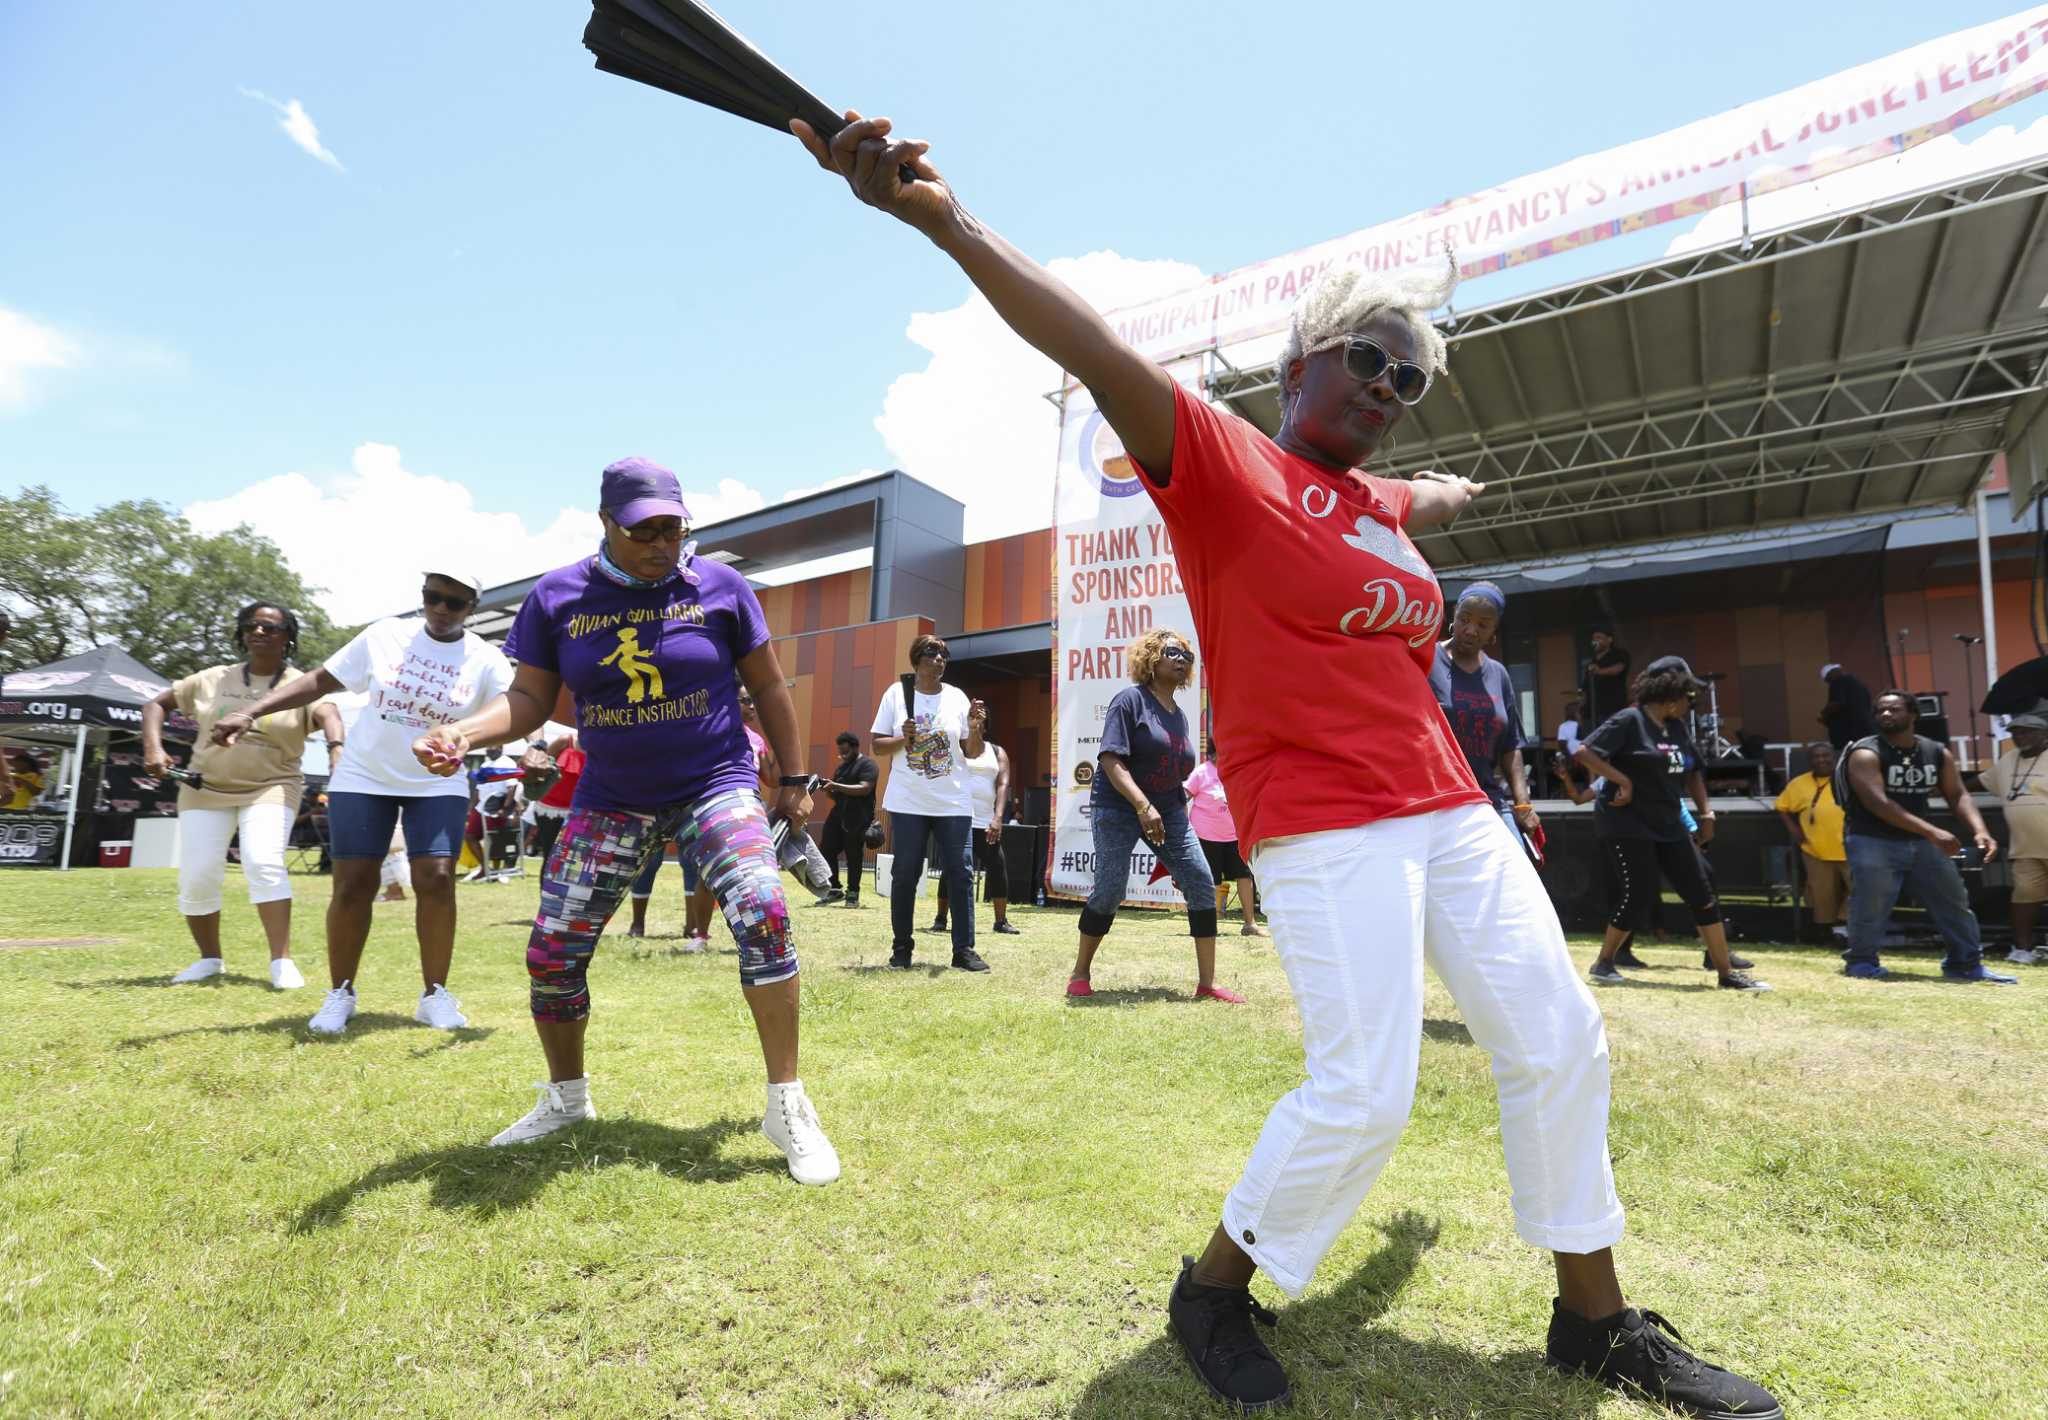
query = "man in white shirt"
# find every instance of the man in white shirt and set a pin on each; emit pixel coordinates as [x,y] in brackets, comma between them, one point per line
[2020,779]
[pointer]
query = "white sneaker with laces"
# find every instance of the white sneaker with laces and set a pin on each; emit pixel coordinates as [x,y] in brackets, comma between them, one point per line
[792,1126]
[2025,956]
[333,1016]
[440,1010]
[284,975]
[205,969]
[549,1113]
[695,946]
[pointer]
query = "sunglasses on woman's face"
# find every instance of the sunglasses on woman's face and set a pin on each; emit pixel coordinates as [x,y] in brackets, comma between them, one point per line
[263,628]
[655,530]
[1367,361]
[1178,653]
[430,597]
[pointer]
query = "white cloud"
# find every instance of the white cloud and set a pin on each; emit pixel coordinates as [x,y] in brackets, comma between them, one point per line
[974,422]
[365,536]
[1930,164]
[298,126]
[26,347]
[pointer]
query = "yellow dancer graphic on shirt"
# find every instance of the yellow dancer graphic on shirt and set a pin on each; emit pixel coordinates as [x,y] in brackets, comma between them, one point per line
[637,666]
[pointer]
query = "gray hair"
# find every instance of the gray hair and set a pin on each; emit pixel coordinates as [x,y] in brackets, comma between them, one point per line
[1345,298]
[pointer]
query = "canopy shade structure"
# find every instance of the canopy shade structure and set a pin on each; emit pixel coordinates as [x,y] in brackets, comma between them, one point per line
[1870,361]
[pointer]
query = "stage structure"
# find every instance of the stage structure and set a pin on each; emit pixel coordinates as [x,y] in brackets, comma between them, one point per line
[1876,359]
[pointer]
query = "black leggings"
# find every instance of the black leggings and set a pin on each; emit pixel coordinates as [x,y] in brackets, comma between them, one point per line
[1633,865]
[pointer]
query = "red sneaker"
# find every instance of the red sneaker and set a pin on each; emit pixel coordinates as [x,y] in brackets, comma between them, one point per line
[1218,993]
[1078,987]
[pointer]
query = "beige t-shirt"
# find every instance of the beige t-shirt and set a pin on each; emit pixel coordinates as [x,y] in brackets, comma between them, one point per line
[2023,786]
[262,767]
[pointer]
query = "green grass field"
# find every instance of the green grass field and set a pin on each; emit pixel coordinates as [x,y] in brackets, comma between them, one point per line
[1838,1187]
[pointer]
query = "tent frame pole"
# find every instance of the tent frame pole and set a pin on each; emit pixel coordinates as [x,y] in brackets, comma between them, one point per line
[71,802]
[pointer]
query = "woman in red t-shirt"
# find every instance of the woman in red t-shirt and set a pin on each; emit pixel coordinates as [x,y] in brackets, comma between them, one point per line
[553,807]
[1373,845]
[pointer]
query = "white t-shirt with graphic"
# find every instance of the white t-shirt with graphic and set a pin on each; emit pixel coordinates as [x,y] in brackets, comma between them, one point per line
[414,683]
[928,775]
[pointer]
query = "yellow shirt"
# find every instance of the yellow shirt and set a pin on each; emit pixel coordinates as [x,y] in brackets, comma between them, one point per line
[2022,788]
[261,767]
[1811,800]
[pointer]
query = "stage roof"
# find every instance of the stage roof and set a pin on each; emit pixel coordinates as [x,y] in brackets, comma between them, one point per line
[1870,361]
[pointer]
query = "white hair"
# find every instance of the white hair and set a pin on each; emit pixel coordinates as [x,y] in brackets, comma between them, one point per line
[1345,298]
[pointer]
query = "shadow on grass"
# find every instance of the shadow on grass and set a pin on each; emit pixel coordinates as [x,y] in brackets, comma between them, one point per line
[481,1180]
[362,1023]
[1333,1356]
[1128,996]
[1449,1032]
[151,983]
[882,968]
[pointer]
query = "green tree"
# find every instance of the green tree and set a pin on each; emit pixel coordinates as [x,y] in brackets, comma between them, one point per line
[135,574]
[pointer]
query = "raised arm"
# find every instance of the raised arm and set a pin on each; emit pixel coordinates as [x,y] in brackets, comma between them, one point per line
[1135,395]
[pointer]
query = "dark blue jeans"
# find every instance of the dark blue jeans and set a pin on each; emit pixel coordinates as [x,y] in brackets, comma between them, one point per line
[1879,867]
[1117,832]
[914,838]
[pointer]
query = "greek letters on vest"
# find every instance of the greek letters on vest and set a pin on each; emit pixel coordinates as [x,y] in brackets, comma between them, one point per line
[1911,778]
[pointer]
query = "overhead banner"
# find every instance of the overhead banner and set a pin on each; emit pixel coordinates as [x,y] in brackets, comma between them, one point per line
[1116,579]
[1874,111]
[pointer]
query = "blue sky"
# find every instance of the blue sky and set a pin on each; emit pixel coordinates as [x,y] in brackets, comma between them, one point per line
[516,268]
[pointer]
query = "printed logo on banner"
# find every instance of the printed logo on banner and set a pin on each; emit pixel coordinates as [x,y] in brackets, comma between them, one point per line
[1102,454]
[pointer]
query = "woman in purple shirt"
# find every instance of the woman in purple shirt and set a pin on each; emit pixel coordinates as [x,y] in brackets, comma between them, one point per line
[652,645]
[1477,697]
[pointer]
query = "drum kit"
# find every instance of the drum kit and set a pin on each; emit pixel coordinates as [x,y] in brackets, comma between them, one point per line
[1706,725]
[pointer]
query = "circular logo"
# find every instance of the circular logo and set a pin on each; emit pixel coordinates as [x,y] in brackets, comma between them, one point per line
[1102,454]
[1084,772]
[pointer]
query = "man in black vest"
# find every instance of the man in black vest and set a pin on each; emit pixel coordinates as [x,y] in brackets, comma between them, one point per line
[1888,778]
[852,787]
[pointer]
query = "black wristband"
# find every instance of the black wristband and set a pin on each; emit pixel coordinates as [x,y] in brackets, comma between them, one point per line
[796,781]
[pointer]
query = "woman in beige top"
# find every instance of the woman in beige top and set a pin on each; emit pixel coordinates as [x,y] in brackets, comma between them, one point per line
[251,786]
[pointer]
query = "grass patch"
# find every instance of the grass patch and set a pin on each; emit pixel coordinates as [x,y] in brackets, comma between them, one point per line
[205,1211]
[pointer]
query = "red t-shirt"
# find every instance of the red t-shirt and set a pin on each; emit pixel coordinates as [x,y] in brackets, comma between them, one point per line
[563,790]
[1318,619]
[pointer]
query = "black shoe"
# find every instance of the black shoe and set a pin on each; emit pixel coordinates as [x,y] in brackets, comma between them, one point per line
[852,900]
[899,959]
[834,893]
[1742,981]
[1214,1327]
[1008,930]
[1639,1353]
[938,925]
[1627,957]
[1604,974]
[969,960]
[1739,963]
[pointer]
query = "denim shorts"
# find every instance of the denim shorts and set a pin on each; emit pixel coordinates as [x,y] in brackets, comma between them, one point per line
[360,825]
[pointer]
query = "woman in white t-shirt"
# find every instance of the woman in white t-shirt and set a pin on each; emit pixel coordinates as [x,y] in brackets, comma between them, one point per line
[419,673]
[927,799]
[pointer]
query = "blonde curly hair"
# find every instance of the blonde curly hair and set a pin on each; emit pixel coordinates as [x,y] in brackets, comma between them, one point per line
[1145,653]
[1345,298]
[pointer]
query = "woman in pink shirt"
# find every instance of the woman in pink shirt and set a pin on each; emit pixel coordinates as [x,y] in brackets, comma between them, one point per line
[1209,813]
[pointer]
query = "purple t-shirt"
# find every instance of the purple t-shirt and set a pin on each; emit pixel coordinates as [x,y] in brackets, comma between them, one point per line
[652,670]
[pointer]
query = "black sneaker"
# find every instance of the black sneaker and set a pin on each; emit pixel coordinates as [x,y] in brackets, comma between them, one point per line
[969,960]
[1604,973]
[1627,957]
[833,894]
[1739,963]
[899,959]
[1639,1353]
[1214,1327]
[1008,930]
[938,925]
[1742,981]
[852,900]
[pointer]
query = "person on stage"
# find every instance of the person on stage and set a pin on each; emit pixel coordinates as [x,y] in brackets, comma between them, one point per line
[418,672]
[1646,758]
[987,766]
[1813,821]
[1883,783]
[1479,702]
[652,643]
[1603,684]
[251,788]
[1216,831]
[1850,714]
[1373,846]
[929,803]
[1145,757]
[852,787]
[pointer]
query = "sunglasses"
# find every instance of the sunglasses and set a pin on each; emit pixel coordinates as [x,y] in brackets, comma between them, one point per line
[262,628]
[1178,653]
[1368,362]
[933,656]
[673,531]
[433,598]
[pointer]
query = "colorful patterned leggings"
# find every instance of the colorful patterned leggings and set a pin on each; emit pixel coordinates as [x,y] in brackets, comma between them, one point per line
[594,862]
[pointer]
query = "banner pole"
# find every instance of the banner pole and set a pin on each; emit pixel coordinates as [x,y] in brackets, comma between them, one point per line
[71,802]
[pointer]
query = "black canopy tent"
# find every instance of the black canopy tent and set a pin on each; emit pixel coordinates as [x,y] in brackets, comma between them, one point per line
[72,705]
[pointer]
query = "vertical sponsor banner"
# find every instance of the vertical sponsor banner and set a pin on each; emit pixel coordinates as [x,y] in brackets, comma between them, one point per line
[1114,578]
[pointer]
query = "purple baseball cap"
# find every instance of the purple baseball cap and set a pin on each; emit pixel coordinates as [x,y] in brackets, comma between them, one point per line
[638,489]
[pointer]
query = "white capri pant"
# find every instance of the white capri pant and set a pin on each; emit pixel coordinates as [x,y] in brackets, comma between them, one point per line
[203,836]
[1354,913]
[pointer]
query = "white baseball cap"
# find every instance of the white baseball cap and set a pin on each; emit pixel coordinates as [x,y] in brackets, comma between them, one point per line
[1830,666]
[468,579]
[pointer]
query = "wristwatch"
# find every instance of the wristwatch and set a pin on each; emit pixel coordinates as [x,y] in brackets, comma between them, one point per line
[797,781]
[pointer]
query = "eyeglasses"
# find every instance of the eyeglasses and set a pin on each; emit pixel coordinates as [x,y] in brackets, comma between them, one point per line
[1367,361]
[1178,653]
[433,598]
[670,530]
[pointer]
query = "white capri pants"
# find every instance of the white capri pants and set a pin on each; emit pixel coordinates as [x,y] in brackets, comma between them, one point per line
[203,836]
[1354,913]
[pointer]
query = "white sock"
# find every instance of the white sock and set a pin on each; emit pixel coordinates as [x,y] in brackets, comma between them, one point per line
[576,1092]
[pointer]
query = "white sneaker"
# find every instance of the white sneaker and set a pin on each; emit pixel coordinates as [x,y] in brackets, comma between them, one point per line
[284,975]
[205,969]
[333,1016]
[792,1126]
[2025,956]
[549,1113]
[695,946]
[440,1010]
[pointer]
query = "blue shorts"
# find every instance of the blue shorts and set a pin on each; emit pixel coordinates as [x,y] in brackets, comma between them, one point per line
[359,825]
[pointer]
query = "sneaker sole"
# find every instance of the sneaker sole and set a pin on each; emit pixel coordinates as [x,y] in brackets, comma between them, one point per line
[1608,980]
